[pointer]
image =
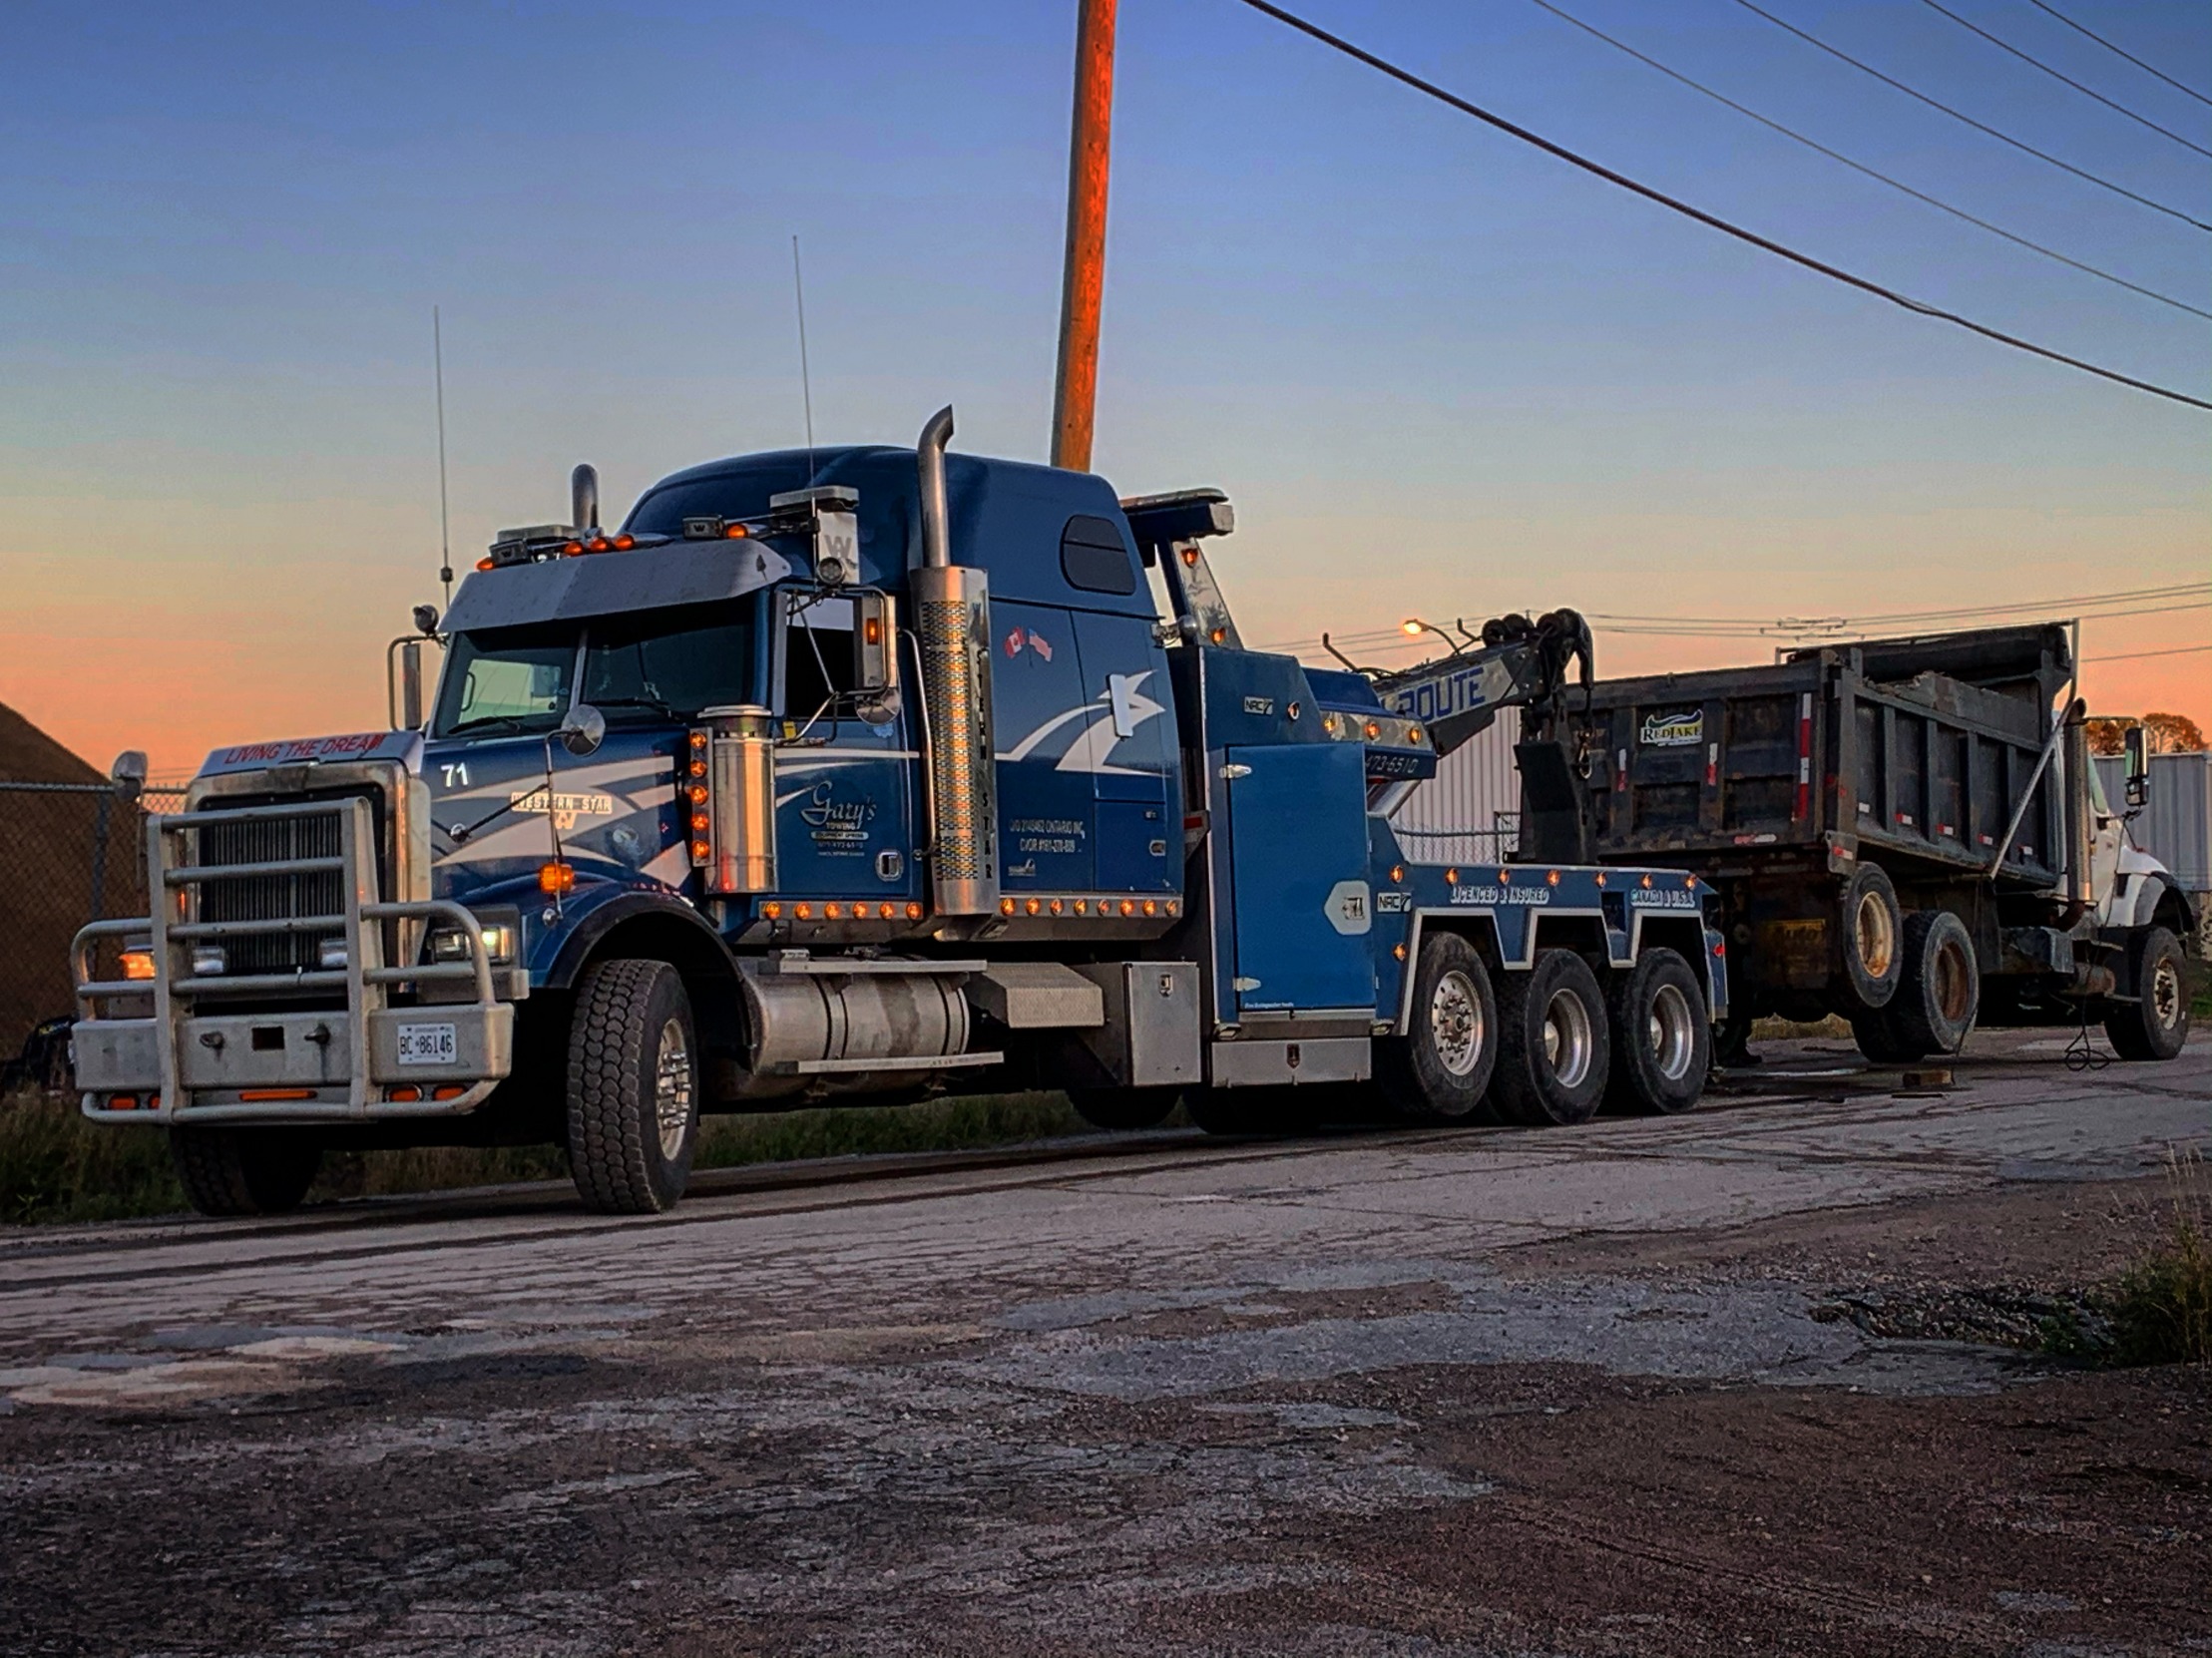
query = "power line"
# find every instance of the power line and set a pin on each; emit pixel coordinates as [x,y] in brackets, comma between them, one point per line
[1860,166]
[2147,69]
[1979,126]
[1753,239]
[2086,92]
[2088,607]
[2139,655]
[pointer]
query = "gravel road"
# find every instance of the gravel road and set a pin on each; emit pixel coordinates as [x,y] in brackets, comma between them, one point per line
[1741,1382]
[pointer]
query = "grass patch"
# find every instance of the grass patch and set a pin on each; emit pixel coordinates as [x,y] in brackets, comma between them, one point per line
[2161,1309]
[56,1167]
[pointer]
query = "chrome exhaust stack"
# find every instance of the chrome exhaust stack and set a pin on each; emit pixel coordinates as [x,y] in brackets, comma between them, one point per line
[583,498]
[952,613]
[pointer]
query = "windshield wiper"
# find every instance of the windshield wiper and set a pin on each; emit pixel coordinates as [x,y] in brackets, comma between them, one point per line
[653,705]
[514,722]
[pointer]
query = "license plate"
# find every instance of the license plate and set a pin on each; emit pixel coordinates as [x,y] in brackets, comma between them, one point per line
[427,1045]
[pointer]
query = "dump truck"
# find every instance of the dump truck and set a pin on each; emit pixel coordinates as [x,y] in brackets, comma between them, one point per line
[856,774]
[1906,832]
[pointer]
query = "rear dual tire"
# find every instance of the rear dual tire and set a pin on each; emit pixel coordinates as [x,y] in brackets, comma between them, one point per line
[1938,996]
[1555,1049]
[1662,1035]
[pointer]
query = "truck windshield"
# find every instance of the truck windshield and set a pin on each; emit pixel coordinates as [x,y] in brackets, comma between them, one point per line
[648,668]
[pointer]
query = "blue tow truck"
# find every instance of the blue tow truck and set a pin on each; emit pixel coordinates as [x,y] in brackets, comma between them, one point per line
[860,774]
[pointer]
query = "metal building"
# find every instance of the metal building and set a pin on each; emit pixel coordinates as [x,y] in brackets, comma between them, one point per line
[1469,811]
[2176,827]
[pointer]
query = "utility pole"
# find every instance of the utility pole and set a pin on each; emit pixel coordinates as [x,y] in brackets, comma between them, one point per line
[1083,277]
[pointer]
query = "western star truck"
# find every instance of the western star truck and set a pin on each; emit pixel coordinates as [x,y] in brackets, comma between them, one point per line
[1905,832]
[852,775]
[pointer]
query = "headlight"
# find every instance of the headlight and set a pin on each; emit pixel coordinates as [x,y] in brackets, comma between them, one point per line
[450,944]
[332,955]
[209,960]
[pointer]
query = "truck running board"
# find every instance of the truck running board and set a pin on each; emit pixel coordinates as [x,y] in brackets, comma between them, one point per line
[854,1068]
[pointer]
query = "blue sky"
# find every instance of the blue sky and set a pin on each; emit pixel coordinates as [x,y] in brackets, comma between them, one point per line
[1438,371]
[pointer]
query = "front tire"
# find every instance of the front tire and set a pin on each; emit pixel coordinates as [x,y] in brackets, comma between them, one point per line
[1552,1050]
[243,1171]
[2156,1024]
[633,1088]
[1437,1073]
[1662,1039]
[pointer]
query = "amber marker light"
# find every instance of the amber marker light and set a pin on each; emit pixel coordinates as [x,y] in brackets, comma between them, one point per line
[624,543]
[486,564]
[834,911]
[1647,881]
[572,550]
[772,909]
[1058,905]
[698,794]
[1152,906]
[136,964]
[1552,879]
[1006,906]
[914,911]
[887,912]
[702,851]
[1374,731]
[1035,906]
[1397,872]
[1398,951]
[1218,634]
[556,877]
[1128,906]
[1082,905]
[1174,905]
[735,532]
[803,911]
[1451,877]
[404,1096]
[1600,878]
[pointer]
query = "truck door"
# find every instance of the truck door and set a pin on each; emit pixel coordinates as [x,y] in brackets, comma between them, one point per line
[1298,871]
[1128,748]
[1039,714]
[843,811]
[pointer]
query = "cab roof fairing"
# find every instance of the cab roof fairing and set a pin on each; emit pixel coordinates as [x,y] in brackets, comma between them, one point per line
[1007,517]
[615,584]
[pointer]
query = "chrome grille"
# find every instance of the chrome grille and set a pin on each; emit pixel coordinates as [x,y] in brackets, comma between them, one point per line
[272,897]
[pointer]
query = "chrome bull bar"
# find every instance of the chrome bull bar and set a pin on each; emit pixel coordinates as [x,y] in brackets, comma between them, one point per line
[203,1058]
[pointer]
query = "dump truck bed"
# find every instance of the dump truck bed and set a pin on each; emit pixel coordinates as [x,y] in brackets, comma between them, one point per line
[1917,749]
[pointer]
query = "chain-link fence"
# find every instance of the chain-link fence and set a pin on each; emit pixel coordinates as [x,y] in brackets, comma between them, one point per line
[68,853]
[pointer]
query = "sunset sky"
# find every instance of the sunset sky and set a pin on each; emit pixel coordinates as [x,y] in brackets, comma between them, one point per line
[1440,374]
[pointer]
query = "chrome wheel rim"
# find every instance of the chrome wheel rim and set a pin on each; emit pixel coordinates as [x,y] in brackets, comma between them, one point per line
[1673,1037]
[2165,993]
[1455,1023]
[671,1089]
[1874,936]
[1568,1047]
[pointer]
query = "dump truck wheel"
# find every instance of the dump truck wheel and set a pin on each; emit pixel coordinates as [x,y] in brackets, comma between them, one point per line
[2156,1025]
[1554,1051]
[1662,1036]
[1439,1072]
[1872,929]
[1882,1042]
[1124,1110]
[243,1171]
[632,1088]
[1940,995]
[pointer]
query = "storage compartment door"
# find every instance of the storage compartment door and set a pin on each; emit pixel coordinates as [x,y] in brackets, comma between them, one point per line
[1298,847]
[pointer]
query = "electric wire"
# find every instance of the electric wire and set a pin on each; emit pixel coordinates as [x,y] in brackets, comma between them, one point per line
[1815,145]
[2137,655]
[2086,92]
[2082,28]
[1979,126]
[2158,600]
[1752,239]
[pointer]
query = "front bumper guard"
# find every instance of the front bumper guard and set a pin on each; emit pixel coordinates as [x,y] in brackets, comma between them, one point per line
[197,1061]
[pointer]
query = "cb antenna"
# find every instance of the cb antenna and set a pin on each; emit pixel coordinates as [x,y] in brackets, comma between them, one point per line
[806,382]
[445,540]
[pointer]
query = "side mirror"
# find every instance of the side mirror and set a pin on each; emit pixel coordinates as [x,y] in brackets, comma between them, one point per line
[426,619]
[128,774]
[583,730]
[2138,766]
[875,643]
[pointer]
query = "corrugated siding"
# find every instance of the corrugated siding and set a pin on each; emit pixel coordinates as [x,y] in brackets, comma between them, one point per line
[1469,811]
[2176,827]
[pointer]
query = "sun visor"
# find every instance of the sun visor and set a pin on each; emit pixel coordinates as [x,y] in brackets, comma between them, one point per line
[613,583]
